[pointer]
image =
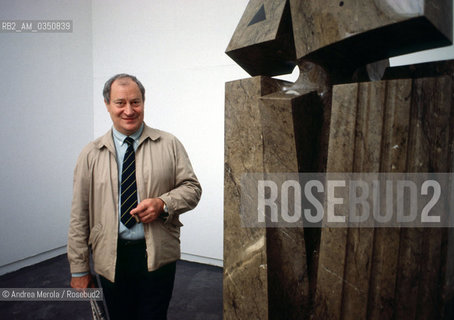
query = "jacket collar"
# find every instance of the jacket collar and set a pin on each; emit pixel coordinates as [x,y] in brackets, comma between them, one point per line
[107,139]
[150,133]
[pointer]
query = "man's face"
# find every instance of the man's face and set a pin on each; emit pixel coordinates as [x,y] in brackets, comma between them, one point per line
[125,106]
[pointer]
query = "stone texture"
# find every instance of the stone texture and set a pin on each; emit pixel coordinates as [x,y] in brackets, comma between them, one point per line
[420,70]
[266,47]
[266,273]
[245,258]
[344,35]
[281,114]
[386,240]
[333,242]
[387,126]
[384,126]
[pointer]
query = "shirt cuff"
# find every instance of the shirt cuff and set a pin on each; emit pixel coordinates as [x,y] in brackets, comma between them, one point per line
[79,274]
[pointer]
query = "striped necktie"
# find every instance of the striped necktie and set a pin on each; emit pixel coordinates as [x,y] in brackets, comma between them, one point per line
[128,185]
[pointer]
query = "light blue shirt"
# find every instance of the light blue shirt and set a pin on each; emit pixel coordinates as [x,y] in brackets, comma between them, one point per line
[135,232]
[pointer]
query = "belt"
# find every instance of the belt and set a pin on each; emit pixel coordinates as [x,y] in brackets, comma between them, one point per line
[131,243]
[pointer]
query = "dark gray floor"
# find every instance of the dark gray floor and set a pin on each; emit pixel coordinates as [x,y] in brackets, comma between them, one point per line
[197,293]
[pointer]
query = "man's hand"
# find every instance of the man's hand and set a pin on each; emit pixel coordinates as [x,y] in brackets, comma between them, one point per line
[149,210]
[82,282]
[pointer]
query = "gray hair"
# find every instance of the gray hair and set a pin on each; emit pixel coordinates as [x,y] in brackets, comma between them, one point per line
[108,85]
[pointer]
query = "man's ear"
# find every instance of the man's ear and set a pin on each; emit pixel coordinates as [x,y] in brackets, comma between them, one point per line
[107,104]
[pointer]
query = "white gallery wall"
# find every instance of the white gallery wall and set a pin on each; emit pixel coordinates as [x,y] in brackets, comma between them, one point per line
[46,118]
[52,106]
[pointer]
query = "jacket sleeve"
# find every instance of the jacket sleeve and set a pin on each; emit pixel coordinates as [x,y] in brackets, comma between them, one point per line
[78,249]
[187,190]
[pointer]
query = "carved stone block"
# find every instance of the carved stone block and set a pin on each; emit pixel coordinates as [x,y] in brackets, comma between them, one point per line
[387,126]
[245,258]
[343,35]
[262,43]
[283,115]
[266,272]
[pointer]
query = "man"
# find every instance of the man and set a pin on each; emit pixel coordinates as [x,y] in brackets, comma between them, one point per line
[130,186]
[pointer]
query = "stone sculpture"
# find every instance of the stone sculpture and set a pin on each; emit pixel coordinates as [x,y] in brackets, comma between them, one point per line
[334,119]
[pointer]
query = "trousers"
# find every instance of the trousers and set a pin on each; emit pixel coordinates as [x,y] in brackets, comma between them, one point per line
[138,293]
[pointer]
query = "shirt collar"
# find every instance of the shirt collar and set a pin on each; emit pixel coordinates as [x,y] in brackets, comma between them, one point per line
[120,137]
[108,139]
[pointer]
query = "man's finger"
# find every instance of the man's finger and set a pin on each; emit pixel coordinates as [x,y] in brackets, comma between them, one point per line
[137,210]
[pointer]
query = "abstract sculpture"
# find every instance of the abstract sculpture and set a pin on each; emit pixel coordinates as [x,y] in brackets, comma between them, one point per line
[334,119]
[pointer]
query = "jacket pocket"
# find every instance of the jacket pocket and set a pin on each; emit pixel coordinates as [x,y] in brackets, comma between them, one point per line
[170,229]
[95,233]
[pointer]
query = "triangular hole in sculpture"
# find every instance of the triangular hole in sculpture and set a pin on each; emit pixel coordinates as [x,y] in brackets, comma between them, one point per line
[259,16]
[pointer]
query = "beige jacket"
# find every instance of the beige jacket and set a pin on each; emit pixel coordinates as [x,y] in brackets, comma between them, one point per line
[163,170]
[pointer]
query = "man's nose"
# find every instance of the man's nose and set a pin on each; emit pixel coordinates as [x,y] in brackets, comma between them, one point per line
[129,109]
